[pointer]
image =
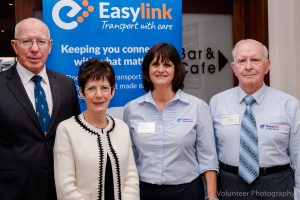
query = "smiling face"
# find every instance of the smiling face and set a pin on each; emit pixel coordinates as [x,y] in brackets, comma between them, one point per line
[97,95]
[32,57]
[250,65]
[161,73]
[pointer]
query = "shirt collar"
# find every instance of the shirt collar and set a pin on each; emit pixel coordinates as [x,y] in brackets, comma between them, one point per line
[179,95]
[26,75]
[258,95]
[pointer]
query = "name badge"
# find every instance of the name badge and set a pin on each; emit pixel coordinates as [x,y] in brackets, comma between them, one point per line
[146,127]
[230,119]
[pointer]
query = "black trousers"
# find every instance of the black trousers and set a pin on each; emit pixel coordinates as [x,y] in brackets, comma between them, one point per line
[188,191]
[276,186]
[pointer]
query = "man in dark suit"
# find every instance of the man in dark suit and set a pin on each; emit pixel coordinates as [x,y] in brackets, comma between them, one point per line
[26,151]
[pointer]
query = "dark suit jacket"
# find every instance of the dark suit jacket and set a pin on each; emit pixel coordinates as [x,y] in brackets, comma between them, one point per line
[26,154]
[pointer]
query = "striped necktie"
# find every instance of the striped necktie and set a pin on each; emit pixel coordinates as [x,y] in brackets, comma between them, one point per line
[41,105]
[249,165]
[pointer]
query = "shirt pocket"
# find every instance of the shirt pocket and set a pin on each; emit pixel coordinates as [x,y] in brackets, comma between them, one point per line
[142,133]
[279,133]
[277,128]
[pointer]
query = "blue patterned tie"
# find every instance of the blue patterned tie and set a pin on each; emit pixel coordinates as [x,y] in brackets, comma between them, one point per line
[249,166]
[41,104]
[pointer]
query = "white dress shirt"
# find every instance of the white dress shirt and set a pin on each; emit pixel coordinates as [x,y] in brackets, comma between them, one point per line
[26,76]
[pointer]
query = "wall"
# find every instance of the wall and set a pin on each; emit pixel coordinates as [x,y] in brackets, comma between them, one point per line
[284,45]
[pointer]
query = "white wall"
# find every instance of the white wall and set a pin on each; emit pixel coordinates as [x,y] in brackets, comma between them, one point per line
[284,45]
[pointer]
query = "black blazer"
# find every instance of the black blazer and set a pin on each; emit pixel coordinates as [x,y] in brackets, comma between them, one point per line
[26,154]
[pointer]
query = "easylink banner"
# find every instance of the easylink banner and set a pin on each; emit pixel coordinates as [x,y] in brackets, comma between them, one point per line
[120,32]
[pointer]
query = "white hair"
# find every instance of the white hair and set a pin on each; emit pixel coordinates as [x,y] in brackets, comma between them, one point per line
[237,45]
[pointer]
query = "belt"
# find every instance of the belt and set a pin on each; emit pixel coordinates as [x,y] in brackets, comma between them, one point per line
[262,170]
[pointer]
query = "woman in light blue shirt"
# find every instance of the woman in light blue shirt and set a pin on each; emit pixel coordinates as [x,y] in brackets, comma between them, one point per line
[172,132]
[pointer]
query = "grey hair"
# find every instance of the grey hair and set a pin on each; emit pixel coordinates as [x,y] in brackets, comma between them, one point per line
[264,48]
[32,20]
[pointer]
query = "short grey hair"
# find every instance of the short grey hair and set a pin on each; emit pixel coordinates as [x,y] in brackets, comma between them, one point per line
[264,48]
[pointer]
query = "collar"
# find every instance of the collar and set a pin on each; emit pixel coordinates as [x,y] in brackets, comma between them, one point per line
[179,96]
[109,128]
[26,75]
[258,95]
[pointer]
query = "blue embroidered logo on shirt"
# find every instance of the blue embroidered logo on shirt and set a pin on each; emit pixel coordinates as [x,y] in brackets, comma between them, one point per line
[184,120]
[274,127]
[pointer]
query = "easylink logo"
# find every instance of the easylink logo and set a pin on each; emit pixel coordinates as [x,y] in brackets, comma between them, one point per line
[74,11]
[144,11]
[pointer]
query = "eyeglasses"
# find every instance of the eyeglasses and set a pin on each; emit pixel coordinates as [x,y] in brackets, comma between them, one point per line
[27,43]
[104,89]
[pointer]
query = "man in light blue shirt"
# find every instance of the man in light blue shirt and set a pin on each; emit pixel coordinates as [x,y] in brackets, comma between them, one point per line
[277,117]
